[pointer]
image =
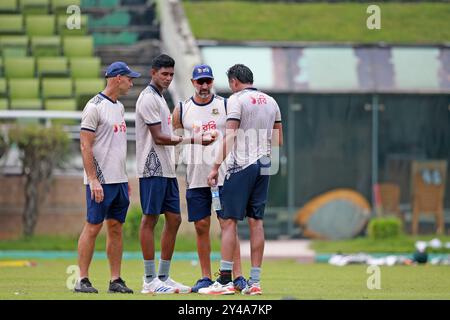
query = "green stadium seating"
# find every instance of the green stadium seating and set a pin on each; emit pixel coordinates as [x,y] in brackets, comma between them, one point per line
[11,23]
[1,66]
[78,46]
[14,46]
[67,104]
[40,25]
[19,67]
[9,5]
[34,6]
[122,38]
[60,6]
[85,4]
[115,19]
[85,67]
[46,46]
[52,66]
[24,94]
[3,88]
[64,31]
[108,3]
[57,88]
[85,89]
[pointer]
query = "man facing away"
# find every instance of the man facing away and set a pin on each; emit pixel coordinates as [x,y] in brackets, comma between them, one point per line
[159,194]
[253,124]
[205,113]
[103,141]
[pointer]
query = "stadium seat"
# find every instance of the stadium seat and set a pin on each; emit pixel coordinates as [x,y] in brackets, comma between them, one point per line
[108,3]
[85,89]
[57,88]
[24,94]
[60,6]
[85,4]
[8,5]
[46,46]
[34,6]
[52,66]
[19,67]
[85,67]
[115,19]
[78,46]
[40,25]
[11,24]
[14,46]
[122,38]
[64,31]
[67,104]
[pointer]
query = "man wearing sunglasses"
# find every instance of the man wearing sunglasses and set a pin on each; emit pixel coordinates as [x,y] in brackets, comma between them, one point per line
[203,113]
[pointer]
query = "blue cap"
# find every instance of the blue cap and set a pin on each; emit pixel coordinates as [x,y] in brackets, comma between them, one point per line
[120,68]
[202,71]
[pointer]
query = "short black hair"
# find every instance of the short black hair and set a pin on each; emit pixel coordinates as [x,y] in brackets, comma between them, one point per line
[162,61]
[241,73]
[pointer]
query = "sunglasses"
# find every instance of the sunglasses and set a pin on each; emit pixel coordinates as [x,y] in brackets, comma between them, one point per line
[204,80]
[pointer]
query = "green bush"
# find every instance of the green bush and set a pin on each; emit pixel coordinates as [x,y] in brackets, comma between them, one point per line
[133,223]
[384,228]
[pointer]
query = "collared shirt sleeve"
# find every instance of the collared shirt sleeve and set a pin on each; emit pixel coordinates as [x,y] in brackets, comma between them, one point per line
[90,118]
[150,110]
[234,109]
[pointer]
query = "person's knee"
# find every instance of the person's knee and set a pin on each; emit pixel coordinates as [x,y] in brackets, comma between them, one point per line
[202,227]
[173,220]
[149,221]
[92,230]
[114,228]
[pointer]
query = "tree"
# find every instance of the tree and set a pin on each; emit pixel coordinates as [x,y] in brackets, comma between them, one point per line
[42,149]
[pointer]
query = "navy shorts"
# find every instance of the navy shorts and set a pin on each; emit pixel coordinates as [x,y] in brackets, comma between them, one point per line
[114,205]
[159,195]
[199,202]
[245,193]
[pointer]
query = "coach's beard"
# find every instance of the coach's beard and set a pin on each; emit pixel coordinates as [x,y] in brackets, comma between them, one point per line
[203,93]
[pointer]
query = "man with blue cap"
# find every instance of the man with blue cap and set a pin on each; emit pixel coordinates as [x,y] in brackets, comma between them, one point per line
[103,141]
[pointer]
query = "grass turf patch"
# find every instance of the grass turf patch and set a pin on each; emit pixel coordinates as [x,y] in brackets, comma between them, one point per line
[280,278]
[339,22]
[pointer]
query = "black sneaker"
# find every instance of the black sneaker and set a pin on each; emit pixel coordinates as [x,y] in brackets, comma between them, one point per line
[84,286]
[118,286]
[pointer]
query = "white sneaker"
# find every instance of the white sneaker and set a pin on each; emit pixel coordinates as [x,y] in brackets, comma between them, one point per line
[181,287]
[156,286]
[252,289]
[218,289]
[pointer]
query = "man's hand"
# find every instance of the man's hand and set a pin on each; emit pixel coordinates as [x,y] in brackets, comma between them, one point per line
[208,138]
[212,177]
[96,190]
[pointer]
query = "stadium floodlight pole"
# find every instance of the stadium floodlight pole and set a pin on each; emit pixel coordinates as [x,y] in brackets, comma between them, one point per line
[375,108]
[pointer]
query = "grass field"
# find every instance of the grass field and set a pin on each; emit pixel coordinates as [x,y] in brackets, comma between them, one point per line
[340,22]
[281,279]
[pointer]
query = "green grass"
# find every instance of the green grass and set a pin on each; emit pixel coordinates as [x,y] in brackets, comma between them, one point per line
[402,244]
[342,22]
[183,243]
[281,278]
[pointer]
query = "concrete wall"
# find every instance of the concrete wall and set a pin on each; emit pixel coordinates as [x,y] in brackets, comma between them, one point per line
[64,211]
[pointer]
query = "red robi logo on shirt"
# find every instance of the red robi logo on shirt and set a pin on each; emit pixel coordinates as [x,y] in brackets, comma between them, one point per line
[260,99]
[120,127]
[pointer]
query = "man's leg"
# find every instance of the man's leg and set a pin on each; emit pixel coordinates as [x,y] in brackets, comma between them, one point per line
[146,235]
[204,245]
[256,241]
[169,234]
[86,244]
[114,247]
